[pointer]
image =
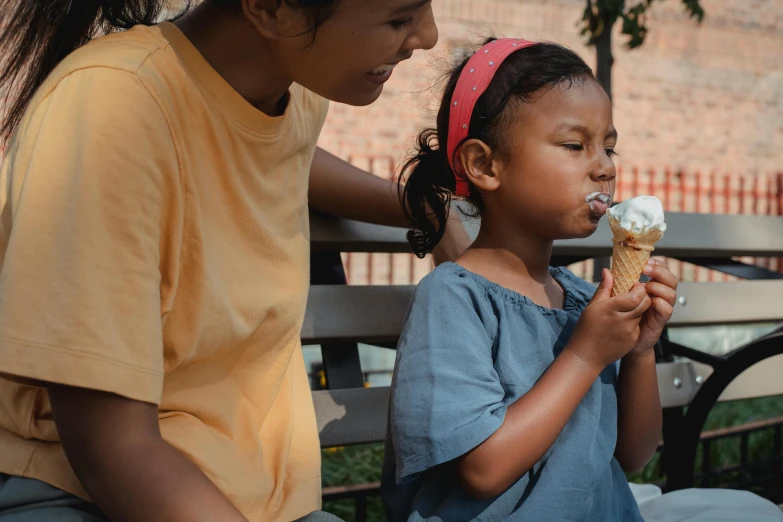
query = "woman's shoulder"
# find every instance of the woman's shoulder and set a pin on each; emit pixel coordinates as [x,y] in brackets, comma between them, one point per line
[310,103]
[103,65]
[126,51]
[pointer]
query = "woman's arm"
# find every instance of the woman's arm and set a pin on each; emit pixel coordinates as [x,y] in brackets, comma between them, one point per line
[340,189]
[115,447]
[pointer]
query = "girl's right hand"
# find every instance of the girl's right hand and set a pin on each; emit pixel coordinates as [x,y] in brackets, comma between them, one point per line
[609,326]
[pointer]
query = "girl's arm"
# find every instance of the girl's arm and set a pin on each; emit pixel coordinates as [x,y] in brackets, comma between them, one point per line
[529,429]
[607,330]
[339,188]
[639,412]
[115,447]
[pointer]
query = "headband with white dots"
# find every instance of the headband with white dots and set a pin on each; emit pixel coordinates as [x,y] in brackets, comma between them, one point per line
[474,80]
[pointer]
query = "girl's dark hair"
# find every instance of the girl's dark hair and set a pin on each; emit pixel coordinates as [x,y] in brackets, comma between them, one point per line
[35,36]
[429,180]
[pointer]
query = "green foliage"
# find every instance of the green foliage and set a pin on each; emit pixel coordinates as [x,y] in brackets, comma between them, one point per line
[725,453]
[362,464]
[350,466]
[600,15]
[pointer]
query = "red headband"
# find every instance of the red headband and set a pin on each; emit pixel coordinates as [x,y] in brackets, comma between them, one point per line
[474,80]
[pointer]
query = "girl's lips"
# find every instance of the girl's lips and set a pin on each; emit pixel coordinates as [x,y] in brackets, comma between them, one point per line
[599,207]
[599,203]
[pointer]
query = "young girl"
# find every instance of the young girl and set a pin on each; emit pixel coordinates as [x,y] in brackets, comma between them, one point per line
[508,402]
[154,256]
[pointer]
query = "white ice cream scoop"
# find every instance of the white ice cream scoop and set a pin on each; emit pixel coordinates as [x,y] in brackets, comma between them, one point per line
[639,215]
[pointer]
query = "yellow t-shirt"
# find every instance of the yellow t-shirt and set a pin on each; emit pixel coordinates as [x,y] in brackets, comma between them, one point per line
[154,243]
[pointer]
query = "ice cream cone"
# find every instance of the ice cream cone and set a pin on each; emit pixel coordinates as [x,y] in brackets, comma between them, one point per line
[627,265]
[629,255]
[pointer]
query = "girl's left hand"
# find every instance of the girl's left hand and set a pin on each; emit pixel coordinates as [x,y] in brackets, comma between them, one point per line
[454,242]
[662,289]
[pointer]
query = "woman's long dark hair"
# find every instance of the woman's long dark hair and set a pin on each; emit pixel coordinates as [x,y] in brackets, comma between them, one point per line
[35,36]
[429,180]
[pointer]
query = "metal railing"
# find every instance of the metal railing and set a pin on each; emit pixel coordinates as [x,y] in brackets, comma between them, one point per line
[680,191]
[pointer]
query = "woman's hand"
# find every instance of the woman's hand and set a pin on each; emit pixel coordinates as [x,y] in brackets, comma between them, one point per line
[454,242]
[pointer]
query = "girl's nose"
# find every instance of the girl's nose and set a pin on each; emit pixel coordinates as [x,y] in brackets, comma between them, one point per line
[604,170]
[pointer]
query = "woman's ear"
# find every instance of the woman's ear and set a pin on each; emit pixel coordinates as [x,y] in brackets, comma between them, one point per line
[480,165]
[273,19]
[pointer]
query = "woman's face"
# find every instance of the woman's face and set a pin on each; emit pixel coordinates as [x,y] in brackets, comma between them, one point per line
[355,50]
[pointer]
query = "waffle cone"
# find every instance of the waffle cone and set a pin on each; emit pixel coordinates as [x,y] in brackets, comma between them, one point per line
[629,255]
[627,265]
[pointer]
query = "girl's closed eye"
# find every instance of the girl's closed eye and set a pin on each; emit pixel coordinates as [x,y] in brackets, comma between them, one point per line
[576,147]
[399,25]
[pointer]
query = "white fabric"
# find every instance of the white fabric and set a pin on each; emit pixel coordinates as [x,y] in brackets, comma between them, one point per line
[703,505]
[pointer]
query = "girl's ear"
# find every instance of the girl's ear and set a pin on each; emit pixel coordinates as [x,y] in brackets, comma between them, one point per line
[274,20]
[480,165]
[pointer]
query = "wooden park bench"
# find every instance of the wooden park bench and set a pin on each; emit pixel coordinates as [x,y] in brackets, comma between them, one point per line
[691,382]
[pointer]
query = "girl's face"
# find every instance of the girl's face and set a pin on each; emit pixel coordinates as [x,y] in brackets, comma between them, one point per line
[558,176]
[356,49]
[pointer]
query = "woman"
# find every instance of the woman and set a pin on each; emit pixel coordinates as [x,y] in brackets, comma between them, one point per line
[154,265]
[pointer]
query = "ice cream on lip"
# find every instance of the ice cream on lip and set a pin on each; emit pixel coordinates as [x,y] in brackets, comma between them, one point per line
[599,202]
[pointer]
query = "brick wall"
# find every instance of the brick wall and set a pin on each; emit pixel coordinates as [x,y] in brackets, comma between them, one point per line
[706,97]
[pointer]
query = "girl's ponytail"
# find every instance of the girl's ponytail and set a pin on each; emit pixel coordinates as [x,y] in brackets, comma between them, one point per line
[36,35]
[426,193]
[428,183]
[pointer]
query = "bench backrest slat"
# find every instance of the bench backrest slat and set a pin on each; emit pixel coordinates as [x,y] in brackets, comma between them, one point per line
[358,416]
[688,235]
[354,416]
[377,313]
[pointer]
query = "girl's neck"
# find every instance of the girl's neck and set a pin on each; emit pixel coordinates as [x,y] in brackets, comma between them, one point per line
[521,255]
[239,54]
[519,262]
